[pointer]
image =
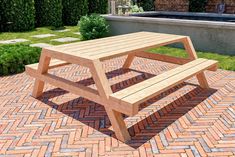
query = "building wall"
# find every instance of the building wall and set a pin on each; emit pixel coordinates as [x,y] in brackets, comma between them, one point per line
[172,5]
[183,5]
[230,6]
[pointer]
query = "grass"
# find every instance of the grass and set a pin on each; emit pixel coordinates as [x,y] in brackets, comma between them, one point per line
[226,62]
[41,30]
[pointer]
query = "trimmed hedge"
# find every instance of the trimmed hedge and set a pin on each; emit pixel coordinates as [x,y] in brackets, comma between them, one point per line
[73,10]
[13,58]
[98,6]
[49,13]
[93,27]
[17,15]
[197,5]
[1,18]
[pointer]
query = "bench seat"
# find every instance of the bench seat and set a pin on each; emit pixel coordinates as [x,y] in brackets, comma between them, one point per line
[53,64]
[147,89]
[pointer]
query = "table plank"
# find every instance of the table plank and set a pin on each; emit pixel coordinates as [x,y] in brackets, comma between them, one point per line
[100,48]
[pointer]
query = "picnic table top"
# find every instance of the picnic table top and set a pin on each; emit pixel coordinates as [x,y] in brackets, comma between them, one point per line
[114,46]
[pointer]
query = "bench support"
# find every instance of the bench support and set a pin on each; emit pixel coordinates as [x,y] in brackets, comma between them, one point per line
[105,91]
[128,61]
[118,125]
[193,55]
[202,80]
[42,68]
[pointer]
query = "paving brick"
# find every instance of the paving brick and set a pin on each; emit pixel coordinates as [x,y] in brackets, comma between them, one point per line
[183,121]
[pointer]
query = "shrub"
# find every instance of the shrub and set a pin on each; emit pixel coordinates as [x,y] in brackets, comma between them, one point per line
[17,15]
[49,13]
[136,9]
[197,5]
[98,6]
[13,58]
[93,26]
[73,10]
[148,5]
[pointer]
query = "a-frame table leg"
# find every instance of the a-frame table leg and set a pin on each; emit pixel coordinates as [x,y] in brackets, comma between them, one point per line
[193,55]
[128,61]
[118,124]
[104,90]
[42,68]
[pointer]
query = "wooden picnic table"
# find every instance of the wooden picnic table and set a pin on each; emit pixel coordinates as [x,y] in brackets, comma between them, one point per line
[91,54]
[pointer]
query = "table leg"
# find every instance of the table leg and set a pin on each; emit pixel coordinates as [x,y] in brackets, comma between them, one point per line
[193,55]
[202,80]
[118,124]
[42,68]
[100,79]
[128,61]
[104,90]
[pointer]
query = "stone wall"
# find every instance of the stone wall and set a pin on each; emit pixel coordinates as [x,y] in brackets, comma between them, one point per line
[183,5]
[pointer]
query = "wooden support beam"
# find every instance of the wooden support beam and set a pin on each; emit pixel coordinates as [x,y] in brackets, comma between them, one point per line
[80,90]
[100,79]
[54,63]
[202,80]
[188,45]
[118,124]
[193,55]
[161,57]
[128,61]
[42,68]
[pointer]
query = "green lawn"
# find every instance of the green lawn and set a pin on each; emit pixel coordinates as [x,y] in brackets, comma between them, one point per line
[225,61]
[41,30]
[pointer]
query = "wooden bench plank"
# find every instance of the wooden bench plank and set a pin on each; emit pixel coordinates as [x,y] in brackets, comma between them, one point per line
[149,92]
[53,64]
[80,90]
[137,87]
[148,88]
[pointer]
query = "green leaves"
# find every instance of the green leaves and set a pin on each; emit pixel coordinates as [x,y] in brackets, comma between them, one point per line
[22,15]
[49,13]
[17,15]
[98,6]
[13,58]
[148,5]
[73,10]
[197,5]
[136,9]
[93,26]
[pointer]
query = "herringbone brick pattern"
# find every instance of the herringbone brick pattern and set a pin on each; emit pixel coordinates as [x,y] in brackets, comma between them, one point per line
[184,121]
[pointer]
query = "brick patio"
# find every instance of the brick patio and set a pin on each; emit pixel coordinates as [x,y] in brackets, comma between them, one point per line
[184,121]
